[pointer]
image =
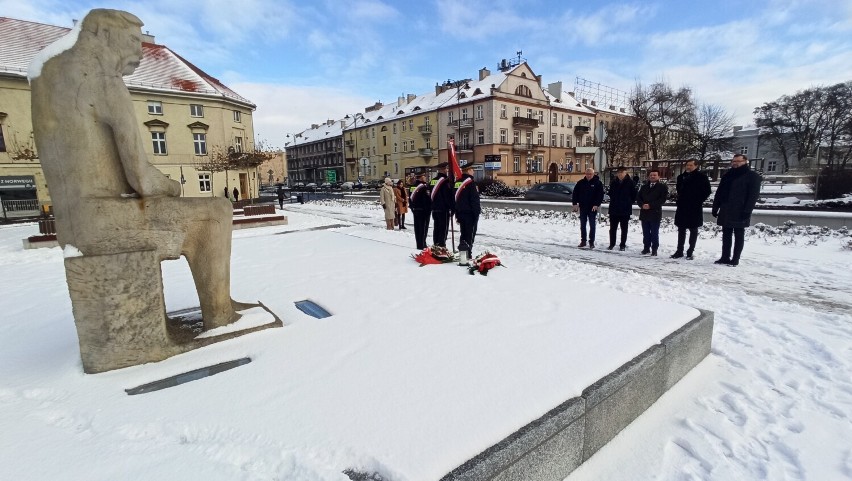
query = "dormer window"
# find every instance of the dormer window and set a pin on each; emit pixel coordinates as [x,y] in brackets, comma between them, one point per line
[155,108]
[523,91]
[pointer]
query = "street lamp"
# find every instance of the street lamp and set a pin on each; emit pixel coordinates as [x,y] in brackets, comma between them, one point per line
[298,177]
[355,118]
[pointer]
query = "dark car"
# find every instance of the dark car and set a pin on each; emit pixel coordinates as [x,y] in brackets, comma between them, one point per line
[551,191]
[373,184]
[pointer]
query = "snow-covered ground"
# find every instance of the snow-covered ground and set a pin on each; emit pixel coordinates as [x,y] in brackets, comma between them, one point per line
[773,400]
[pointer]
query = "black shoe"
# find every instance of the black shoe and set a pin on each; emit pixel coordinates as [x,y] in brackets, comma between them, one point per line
[591,245]
[646,251]
[610,247]
[402,228]
[689,257]
[621,248]
[654,252]
[582,244]
[734,262]
[676,255]
[723,261]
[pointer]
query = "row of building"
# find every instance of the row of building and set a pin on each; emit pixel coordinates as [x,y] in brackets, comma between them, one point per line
[187,115]
[515,129]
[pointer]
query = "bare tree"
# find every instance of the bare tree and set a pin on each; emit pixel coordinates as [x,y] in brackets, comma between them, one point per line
[216,161]
[666,113]
[837,135]
[624,141]
[794,123]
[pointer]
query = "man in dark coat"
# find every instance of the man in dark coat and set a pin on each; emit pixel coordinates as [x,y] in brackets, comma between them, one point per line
[735,198]
[236,194]
[693,188]
[622,193]
[652,196]
[442,205]
[587,197]
[467,208]
[280,192]
[420,203]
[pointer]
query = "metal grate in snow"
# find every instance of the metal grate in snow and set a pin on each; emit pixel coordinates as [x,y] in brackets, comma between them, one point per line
[193,375]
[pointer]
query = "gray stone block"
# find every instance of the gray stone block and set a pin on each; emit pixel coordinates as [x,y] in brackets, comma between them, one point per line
[528,439]
[617,399]
[552,460]
[687,346]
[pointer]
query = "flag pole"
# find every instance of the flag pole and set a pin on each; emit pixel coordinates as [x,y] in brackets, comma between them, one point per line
[455,174]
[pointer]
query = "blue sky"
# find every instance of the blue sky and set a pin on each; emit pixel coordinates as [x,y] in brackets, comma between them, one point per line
[305,62]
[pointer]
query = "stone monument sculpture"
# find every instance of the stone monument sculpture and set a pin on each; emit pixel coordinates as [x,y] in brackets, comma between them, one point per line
[117,216]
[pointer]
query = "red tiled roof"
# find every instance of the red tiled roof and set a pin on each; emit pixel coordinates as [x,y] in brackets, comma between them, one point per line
[160,69]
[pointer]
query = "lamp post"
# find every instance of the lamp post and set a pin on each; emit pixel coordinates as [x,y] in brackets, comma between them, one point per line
[355,118]
[294,158]
[459,85]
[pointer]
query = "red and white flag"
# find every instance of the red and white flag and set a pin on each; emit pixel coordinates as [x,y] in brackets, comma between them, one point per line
[455,170]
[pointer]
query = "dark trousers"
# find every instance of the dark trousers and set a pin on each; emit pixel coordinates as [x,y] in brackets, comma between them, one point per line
[441,227]
[681,238]
[467,229]
[614,222]
[399,219]
[738,234]
[281,202]
[651,234]
[421,227]
[592,217]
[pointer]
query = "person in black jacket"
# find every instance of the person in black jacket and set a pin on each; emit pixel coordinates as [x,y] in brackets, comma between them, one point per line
[420,204]
[467,208]
[442,205]
[735,198]
[622,193]
[652,196]
[693,188]
[587,197]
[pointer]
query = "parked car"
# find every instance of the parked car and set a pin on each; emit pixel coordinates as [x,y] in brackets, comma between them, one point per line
[551,191]
[373,184]
[299,186]
[325,186]
[347,185]
[311,186]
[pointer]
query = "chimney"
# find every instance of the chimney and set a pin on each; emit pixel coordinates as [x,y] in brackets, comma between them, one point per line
[585,102]
[621,110]
[438,89]
[594,104]
[329,122]
[374,107]
[314,126]
[571,93]
[555,89]
[410,97]
[400,101]
[612,107]
[148,38]
[484,72]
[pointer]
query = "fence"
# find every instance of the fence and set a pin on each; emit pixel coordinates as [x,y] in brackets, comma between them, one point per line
[20,208]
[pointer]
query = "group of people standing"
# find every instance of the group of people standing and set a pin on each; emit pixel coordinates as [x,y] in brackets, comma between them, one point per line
[735,199]
[438,200]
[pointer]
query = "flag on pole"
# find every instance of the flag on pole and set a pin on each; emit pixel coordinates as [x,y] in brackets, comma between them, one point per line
[455,170]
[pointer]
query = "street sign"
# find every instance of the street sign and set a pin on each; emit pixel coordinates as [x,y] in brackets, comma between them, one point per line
[600,132]
[365,162]
[331,176]
[492,162]
[600,160]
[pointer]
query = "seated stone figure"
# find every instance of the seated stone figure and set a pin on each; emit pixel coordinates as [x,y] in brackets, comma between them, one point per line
[121,213]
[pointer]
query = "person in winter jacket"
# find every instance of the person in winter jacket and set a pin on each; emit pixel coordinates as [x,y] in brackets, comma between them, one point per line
[467,208]
[587,197]
[735,198]
[693,188]
[652,195]
[420,203]
[622,193]
[401,203]
[442,205]
[388,201]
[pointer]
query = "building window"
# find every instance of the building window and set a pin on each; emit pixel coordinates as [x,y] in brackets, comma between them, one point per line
[2,140]
[404,145]
[159,140]
[772,166]
[502,111]
[204,184]
[196,110]
[540,138]
[480,137]
[517,111]
[200,143]
[568,141]
[238,144]
[238,116]
[394,147]
[553,140]
[529,113]
[562,140]
[570,120]
[373,133]
[464,113]
[155,108]
[394,127]
[411,125]
[479,113]
[523,91]
[516,164]
[450,116]
[504,136]
[744,150]
[553,121]
[516,136]
[384,140]
[541,116]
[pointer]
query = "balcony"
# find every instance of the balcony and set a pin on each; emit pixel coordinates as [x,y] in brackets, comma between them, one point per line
[425,129]
[464,147]
[462,124]
[426,152]
[524,122]
[350,143]
[581,129]
[525,147]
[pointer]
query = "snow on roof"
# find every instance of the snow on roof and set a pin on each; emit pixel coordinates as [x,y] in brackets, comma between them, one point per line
[161,69]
